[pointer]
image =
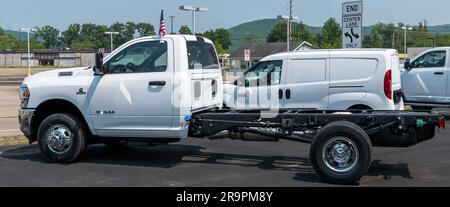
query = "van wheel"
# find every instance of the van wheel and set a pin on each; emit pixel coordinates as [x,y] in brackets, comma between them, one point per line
[341,153]
[62,138]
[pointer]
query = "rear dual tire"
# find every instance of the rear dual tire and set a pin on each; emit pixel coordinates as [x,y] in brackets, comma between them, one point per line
[341,153]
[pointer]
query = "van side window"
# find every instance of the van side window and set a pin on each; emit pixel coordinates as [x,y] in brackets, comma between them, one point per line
[264,73]
[141,57]
[201,55]
[308,70]
[435,59]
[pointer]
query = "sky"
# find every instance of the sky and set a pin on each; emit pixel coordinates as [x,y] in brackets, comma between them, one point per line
[222,13]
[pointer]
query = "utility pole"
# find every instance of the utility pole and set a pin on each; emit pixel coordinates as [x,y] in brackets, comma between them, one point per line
[112,38]
[28,30]
[171,24]
[406,28]
[289,20]
[193,10]
[289,25]
[393,40]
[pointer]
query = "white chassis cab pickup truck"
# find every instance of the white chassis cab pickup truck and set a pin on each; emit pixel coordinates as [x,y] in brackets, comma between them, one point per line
[162,89]
[143,90]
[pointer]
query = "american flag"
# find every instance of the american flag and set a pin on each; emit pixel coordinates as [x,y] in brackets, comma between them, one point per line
[162,26]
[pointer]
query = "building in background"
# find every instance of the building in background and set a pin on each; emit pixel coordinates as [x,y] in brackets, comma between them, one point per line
[51,58]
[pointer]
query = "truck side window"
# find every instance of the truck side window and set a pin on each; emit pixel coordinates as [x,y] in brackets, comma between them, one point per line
[264,73]
[143,57]
[201,55]
[435,59]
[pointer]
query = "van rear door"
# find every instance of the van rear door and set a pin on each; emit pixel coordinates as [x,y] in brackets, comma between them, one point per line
[205,74]
[350,76]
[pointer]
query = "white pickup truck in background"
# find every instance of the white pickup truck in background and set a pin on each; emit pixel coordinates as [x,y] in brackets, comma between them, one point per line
[425,79]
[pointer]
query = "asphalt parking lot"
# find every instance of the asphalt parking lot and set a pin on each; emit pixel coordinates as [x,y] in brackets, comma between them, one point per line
[194,162]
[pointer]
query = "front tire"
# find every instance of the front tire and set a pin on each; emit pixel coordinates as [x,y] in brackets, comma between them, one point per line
[62,138]
[341,153]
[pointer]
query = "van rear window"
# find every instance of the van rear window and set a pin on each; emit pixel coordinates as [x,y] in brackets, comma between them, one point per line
[201,55]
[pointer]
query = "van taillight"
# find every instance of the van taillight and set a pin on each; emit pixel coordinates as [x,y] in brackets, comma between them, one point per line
[388,84]
[441,123]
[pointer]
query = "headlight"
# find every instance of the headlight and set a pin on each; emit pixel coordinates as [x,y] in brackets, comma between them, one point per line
[24,96]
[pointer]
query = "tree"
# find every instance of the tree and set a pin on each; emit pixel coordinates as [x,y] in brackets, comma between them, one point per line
[223,37]
[126,32]
[278,33]
[184,29]
[374,40]
[220,50]
[79,45]
[220,35]
[95,34]
[50,36]
[71,34]
[330,36]
[301,32]
[145,29]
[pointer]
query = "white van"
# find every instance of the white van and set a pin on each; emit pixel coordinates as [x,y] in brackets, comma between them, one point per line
[321,80]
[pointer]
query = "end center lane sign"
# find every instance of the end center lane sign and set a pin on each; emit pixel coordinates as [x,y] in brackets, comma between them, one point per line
[352,24]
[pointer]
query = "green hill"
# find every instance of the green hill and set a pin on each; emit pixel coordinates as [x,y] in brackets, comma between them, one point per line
[19,35]
[257,31]
[445,28]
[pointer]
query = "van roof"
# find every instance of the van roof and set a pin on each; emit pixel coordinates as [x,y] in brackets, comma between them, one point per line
[345,50]
[358,51]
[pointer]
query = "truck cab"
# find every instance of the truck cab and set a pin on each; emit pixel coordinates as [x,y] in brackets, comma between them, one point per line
[425,79]
[142,90]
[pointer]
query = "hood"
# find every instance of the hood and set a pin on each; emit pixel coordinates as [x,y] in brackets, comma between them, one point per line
[68,72]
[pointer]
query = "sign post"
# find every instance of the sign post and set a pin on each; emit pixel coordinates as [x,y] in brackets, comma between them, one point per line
[352,13]
[247,58]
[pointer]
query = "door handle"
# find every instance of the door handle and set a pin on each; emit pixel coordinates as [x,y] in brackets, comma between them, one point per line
[157,83]
[280,94]
[288,93]
[439,73]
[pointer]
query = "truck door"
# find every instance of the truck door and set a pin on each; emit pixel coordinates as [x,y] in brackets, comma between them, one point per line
[306,82]
[427,80]
[133,97]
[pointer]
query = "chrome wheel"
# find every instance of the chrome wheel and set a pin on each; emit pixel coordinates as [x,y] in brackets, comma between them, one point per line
[59,139]
[340,154]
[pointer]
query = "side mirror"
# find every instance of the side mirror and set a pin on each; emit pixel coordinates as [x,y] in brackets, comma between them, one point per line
[408,65]
[98,68]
